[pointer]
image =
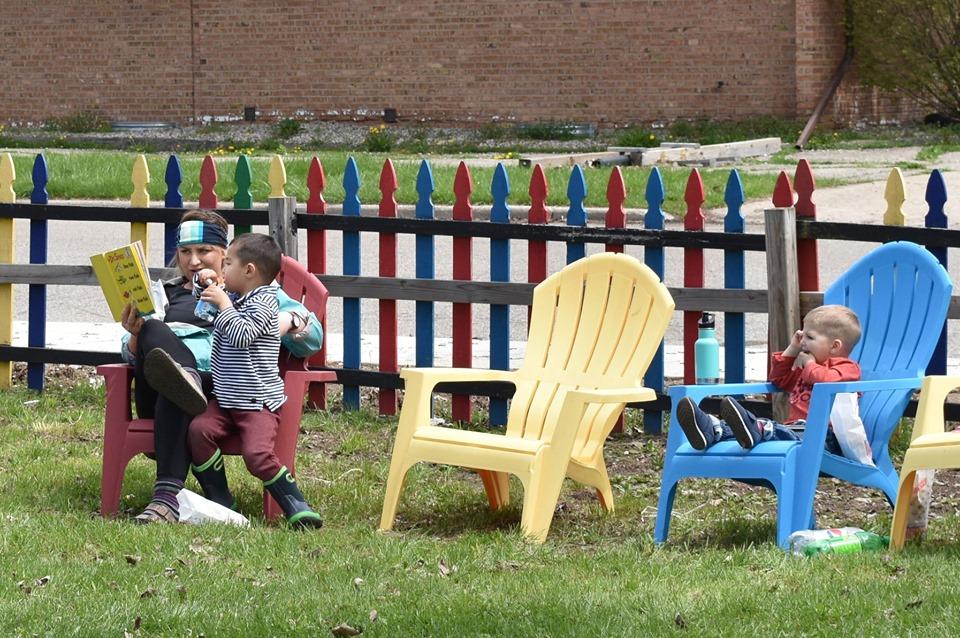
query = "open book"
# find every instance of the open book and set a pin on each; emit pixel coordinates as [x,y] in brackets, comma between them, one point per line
[122,274]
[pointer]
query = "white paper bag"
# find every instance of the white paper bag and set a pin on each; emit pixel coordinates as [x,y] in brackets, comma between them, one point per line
[849,430]
[197,510]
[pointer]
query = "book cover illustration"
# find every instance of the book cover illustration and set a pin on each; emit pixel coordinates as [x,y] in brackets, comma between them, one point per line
[122,275]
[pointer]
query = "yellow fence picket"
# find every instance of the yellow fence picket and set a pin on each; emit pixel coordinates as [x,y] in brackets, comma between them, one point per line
[7,196]
[895,194]
[140,199]
[277,177]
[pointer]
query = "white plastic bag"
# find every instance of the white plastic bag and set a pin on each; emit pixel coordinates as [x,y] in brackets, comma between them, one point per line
[849,430]
[197,510]
[160,302]
[919,512]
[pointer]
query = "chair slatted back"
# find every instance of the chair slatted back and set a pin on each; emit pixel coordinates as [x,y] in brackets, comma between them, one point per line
[595,324]
[300,285]
[900,294]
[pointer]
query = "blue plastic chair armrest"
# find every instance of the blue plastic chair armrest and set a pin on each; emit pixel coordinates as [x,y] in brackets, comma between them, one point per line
[698,392]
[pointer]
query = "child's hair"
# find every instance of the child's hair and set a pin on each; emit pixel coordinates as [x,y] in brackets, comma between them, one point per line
[837,322]
[260,250]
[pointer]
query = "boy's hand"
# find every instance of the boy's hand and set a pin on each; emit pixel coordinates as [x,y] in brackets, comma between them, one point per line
[803,360]
[217,296]
[129,319]
[208,274]
[794,348]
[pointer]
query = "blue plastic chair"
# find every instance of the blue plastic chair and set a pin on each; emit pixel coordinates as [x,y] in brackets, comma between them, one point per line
[900,294]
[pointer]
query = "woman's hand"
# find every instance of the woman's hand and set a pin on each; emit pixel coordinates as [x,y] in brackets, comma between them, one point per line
[130,321]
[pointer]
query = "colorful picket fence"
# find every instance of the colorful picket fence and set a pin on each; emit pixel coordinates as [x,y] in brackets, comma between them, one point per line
[786,194]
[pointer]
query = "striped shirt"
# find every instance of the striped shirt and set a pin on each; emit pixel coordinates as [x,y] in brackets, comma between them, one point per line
[246,346]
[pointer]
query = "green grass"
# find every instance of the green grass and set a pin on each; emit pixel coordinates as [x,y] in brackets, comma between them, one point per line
[451,568]
[106,175]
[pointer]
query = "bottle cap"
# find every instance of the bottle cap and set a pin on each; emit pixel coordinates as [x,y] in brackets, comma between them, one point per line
[706,320]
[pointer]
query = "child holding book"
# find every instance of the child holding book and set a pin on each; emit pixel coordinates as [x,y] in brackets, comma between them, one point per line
[247,388]
[818,353]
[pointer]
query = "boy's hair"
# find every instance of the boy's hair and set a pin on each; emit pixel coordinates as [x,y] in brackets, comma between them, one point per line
[837,322]
[260,250]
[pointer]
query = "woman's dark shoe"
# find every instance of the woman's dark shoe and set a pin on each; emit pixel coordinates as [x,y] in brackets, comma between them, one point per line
[157,513]
[177,383]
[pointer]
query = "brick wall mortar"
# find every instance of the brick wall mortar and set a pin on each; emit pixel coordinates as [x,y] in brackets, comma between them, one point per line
[601,61]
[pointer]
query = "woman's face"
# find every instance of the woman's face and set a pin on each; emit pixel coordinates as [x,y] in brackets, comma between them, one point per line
[196,257]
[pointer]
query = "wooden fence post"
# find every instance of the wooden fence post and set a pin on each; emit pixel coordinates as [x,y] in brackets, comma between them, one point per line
[783,289]
[283,228]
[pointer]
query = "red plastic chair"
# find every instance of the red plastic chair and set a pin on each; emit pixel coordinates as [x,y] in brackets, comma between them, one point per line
[125,437]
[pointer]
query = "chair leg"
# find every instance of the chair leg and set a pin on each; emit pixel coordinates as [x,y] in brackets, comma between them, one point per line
[391,497]
[787,523]
[111,480]
[596,477]
[271,509]
[540,501]
[898,528]
[668,490]
[497,486]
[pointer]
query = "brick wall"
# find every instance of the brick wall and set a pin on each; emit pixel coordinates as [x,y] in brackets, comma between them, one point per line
[129,60]
[600,61]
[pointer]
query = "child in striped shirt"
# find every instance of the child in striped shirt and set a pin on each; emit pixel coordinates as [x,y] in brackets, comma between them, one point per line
[247,388]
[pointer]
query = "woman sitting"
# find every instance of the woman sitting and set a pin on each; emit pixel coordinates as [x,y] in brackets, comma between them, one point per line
[187,339]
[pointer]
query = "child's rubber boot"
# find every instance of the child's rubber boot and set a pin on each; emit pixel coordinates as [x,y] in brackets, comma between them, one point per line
[213,479]
[283,488]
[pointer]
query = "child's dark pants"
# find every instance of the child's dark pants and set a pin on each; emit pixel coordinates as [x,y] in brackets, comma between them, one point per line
[257,431]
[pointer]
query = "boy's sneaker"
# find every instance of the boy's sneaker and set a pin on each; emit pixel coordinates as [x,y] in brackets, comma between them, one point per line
[697,425]
[741,422]
[178,384]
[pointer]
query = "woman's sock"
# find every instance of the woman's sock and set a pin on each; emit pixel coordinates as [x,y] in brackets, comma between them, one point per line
[163,506]
[165,491]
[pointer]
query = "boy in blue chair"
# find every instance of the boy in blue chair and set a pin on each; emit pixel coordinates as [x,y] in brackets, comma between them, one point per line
[818,353]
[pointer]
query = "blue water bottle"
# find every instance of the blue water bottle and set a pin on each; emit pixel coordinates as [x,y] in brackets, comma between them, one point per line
[204,309]
[706,351]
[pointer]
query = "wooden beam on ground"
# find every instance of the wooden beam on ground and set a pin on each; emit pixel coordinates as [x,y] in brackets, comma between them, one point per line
[727,151]
[568,159]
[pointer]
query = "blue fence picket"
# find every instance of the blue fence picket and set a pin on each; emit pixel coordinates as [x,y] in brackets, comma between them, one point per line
[173,198]
[653,257]
[577,214]
[499,271]
[425,267]
[37,294]
[936,197]
[734,276]
[351,267]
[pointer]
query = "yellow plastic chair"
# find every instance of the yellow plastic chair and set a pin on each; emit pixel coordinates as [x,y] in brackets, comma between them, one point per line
[930,448]
[594,329]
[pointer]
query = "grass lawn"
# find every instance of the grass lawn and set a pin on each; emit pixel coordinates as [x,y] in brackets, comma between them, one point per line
[451,568]
[92,174]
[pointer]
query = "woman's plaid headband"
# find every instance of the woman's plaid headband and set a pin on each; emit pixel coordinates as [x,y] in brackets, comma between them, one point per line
[197,231]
